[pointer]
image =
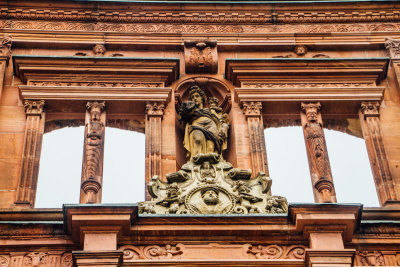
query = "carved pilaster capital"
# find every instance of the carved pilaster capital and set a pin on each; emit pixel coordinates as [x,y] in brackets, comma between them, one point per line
[311,109]
[201,56]
[5,47]
[155,108]
[393,46]
[34,107]
[252,108]
[370,109]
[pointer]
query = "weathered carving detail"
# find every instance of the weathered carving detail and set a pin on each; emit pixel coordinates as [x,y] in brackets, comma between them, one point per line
[300,50]
[99,50]
[34,107]
[155,108]
[96,84]
[4,261]
[252,108]
[367,258]
[393,46]
[320,169]
[5,47]
[277,252]
[35,259]
[132,253]
[201,57]
[93,155]
[303,85]
[66,260]
[369,118]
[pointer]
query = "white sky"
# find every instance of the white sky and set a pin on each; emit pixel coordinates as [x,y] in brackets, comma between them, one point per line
[124,160]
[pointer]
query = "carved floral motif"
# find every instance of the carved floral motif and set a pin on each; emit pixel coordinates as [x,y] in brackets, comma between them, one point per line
[195,28]
[34,107]
[132,253]
[201,57]
[35,259]
[393,45]
[66,260]
[252,108]
[97,84]
[155,108]
[277,252]
[302,85]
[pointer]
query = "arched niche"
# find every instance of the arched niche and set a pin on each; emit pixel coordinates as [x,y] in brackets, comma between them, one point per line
[212,88]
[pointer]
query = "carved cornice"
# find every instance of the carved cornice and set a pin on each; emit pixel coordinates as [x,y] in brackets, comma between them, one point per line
[34,107]
[252,108]
[370,109]
[155,108]
[393,46]
[317,15]
[196,28]
[262,84]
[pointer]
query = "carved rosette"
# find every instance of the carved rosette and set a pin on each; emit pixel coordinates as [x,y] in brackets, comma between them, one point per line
[94,149]
[201,57]
[66,260]
[4,261]
[393,46]
[317,152]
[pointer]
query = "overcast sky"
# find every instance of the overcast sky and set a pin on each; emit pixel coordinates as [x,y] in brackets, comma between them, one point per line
[124,159]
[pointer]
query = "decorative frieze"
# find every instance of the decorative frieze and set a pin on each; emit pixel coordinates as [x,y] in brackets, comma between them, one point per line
[368,258]
[277,252]
[92,167]
[154,112]
[317,153]
[370,122]
[201,56]
[303,85]
[34,130]
[96,84]
[253,113]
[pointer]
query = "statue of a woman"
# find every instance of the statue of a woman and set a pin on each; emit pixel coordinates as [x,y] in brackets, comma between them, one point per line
[206,129]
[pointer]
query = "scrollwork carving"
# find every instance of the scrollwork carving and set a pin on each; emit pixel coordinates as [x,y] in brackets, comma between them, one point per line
[154,252]
[4,261]
[201,57]
[277,252]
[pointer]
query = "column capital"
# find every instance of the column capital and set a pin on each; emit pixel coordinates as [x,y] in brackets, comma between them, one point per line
[90,105]
[5,47]
[34,107]
[393,46]
[370,109]
[252,108]
[155,108]
[307,107]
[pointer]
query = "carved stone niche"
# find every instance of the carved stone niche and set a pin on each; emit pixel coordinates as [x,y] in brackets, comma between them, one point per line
[201,56]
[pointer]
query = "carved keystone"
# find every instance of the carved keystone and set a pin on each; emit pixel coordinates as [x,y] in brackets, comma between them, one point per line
[201,57]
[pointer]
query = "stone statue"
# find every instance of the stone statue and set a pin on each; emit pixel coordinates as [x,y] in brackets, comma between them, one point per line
[206,183]
[206,129]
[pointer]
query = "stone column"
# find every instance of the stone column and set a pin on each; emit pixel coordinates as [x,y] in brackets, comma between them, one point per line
[253,113]
[154,113]
[93,153]
[317,153]
[5,54]
[26,191]
[370,124]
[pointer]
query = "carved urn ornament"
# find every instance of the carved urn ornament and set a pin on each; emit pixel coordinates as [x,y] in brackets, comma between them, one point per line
[206,183]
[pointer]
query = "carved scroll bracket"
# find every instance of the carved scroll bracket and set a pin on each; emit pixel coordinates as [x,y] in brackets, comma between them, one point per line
[92,167]
[321,175]
[253,113]
[370,122]
[34,130]
[201,56]
[154,113]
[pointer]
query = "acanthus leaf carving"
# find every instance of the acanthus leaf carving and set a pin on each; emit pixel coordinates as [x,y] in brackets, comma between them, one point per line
[393,46]
[154,252]
[34,107]
[370,109]
[155,108]
[277,252]
[252,108]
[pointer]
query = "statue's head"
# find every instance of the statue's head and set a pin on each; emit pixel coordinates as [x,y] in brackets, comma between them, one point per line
[210,196]
[197,95]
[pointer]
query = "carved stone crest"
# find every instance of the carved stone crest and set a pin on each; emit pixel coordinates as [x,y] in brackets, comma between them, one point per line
[201,57]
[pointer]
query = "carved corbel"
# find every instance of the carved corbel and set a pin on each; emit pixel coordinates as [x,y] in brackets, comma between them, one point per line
[201,57]
[92,167]
[34,129]
[253,113]
[370,122]
[317,153]
[154,113]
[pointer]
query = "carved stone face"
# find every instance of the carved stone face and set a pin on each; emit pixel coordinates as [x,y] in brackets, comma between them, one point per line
[95,114]
[312,114]
[210,197]
[196,98]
